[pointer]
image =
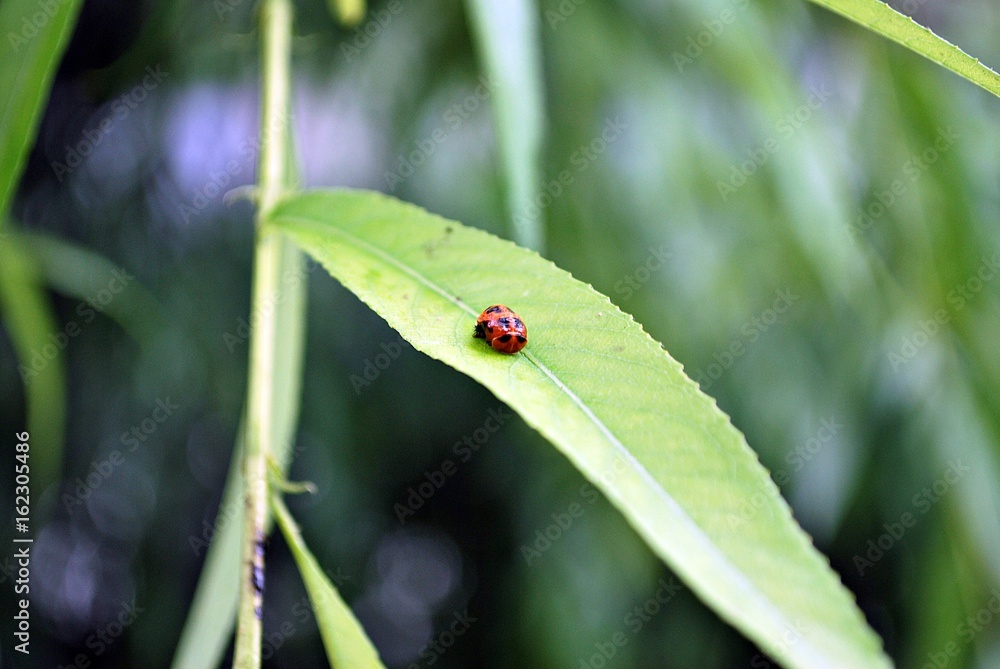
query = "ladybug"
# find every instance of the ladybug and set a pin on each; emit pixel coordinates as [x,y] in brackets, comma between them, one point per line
[502,329]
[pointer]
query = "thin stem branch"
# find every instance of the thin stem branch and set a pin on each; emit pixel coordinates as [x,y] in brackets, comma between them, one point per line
[276,32]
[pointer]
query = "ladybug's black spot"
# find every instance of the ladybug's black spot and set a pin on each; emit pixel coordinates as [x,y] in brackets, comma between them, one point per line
[494,310]
[518,324]
[503,339]
[504,322]
[522,339]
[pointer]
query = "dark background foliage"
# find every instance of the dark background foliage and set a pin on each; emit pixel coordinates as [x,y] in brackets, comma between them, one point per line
[804,214]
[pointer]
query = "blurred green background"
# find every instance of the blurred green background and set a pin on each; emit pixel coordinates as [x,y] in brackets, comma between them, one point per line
[803,213]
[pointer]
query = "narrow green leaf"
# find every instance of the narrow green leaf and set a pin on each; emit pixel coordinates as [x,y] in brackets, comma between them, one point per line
[347,645]
[290,297]
[887,22]
[34,39]
[31,323]
[82,274]
[290,302]
[507,37]
[209,624]
[611,399]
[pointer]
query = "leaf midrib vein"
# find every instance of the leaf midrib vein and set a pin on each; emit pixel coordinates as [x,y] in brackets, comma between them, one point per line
[723,561]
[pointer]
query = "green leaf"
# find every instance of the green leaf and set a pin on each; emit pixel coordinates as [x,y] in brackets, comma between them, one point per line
[347,646]
[80,273]
[290,333]
[30,57]
[507,37]
[887,22]
[29,319]
[209,624]
[611,399]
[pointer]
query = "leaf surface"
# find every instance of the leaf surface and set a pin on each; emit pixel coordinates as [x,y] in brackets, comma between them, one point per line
[882,19]
[31,54]
[608,396]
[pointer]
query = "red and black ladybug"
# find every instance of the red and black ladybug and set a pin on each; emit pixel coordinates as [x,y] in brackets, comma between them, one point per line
[502,329]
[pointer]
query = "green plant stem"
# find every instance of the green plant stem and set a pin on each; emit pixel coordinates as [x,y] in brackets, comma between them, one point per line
[276,32]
